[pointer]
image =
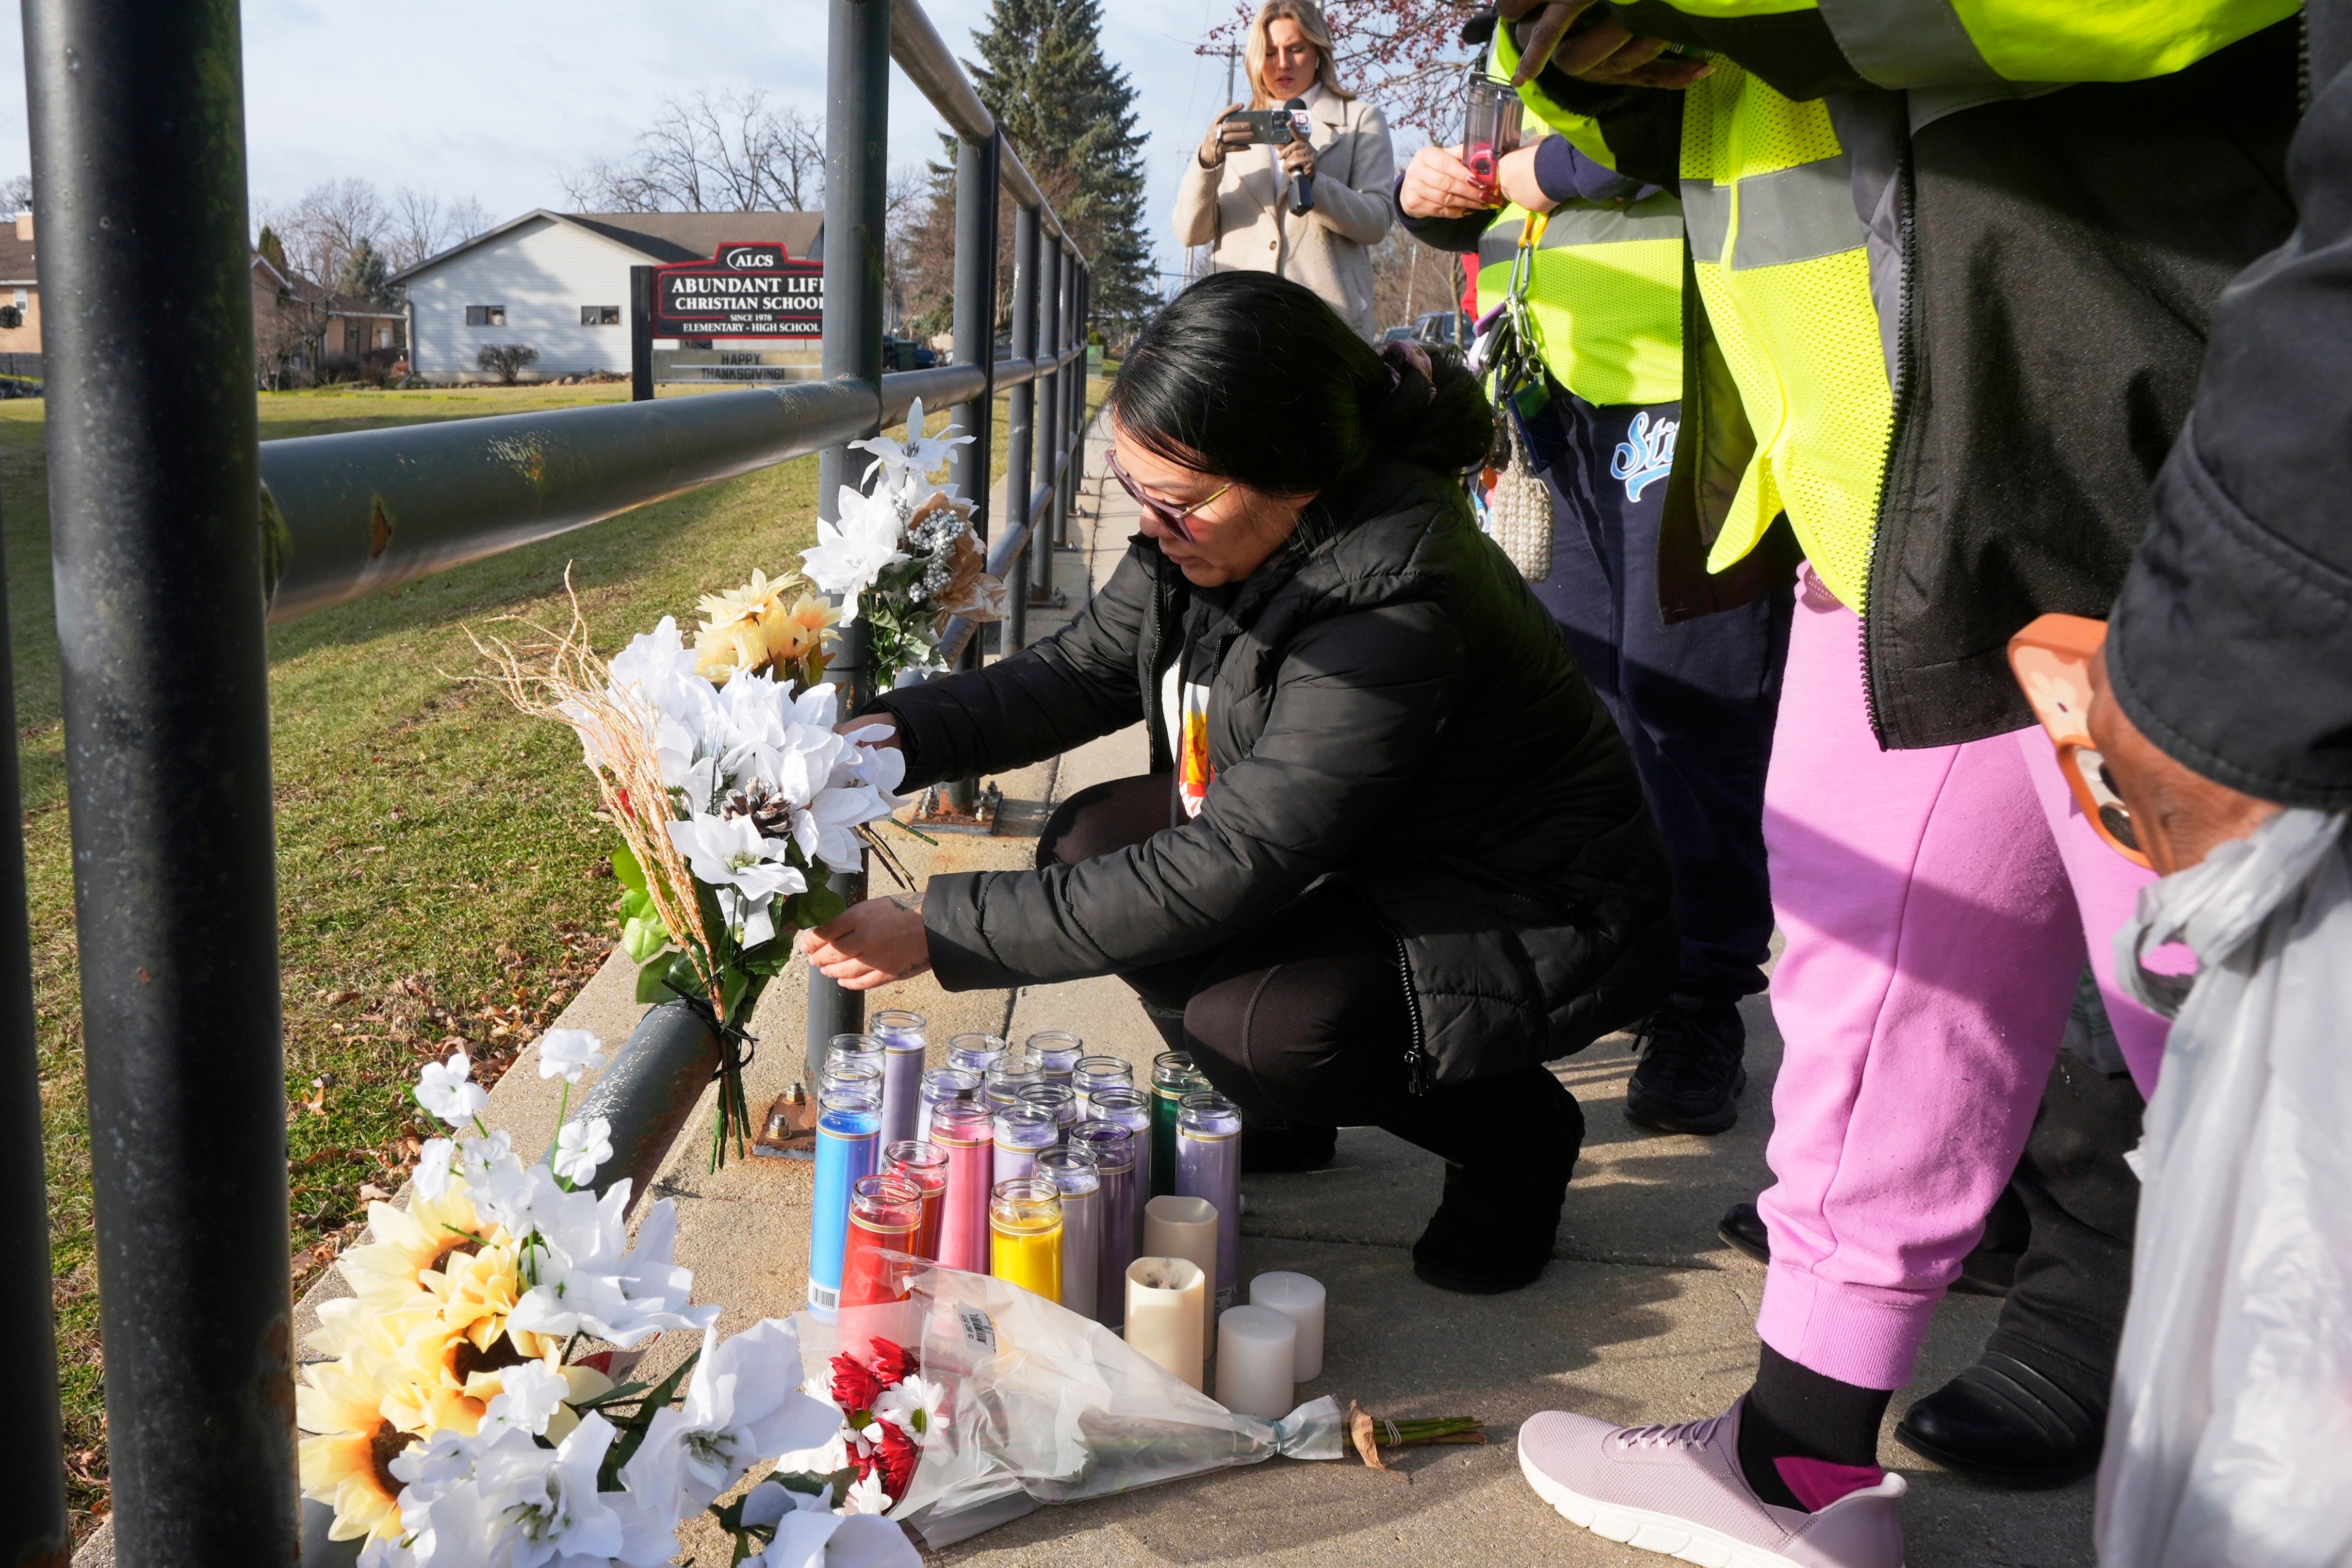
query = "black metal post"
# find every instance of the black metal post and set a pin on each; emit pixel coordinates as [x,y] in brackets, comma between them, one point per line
[1073,399]
[856,148]
[138,132]
[1021,419]
[975,344]
[32,1440]
[641,334]
[1049,415]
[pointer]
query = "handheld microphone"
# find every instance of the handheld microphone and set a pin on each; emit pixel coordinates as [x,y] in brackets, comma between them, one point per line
[1302,198]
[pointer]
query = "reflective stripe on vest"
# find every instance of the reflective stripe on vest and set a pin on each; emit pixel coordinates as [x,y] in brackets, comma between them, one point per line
[1777,252]
[1604,292]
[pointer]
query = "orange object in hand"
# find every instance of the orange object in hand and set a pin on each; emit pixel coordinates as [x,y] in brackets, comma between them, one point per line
[2051,659]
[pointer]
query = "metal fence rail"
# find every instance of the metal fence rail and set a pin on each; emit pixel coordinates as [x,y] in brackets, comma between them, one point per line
[156,479]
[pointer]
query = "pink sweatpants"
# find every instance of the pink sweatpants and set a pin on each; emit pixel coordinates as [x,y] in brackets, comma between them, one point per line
[1937,907]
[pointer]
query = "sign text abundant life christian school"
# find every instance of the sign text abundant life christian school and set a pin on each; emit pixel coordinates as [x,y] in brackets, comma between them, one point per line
[743,291]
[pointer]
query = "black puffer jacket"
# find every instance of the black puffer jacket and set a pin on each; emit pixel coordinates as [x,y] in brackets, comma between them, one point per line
[1394,709]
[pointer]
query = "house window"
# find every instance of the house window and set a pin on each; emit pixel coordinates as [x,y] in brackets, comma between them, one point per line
[486,315]
[24,300]
[384,337]
[600,315]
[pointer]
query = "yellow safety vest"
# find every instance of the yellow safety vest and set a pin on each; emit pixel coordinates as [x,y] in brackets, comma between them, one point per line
[1604,295]
[1777,247]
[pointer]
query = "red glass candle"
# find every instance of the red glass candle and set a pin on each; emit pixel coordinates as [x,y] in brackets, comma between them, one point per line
[925,1164]
[885,1212]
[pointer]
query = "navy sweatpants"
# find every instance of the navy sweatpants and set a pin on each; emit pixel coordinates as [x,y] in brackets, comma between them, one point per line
[1695,702]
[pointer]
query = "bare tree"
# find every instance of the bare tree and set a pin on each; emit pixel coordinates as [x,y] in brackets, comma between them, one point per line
[327,226]
[17,194]
[725,152]
[1406,55]
[421,224]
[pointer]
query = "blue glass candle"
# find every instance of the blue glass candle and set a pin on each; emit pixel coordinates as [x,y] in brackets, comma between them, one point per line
[1072,1171]
[1208,1166]
[904,1036]
[939,1086]
[1112,1149]
[1023,1131]
[848,1147]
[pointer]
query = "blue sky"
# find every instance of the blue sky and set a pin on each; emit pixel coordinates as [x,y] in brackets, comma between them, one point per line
[493,100]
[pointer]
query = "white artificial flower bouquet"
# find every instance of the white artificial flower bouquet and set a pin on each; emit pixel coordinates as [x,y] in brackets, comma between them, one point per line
[903,556]
[454,1430]
[735,802]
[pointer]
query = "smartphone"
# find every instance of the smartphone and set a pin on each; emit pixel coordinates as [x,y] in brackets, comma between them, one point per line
[1490,128]
[1267,127]
[2052,661]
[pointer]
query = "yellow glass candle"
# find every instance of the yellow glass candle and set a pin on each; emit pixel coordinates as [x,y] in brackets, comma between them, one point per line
[1024,1234]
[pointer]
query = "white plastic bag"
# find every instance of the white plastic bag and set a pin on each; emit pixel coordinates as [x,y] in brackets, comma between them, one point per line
[2230,1442]
[1045,1406]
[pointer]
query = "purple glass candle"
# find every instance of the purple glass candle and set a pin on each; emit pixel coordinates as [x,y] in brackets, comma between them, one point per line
[974,1053]
[1023,1133]
[1061,1100]
[1127,1107]
[1112,1148]
[1002,1084]
[1056,1052]
[1099,1072]
[1208,1166]
[902,1034]
[939,1086]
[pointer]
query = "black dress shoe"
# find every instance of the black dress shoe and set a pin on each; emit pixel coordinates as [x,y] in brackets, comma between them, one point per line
[1279,1146]
[1490,1234]
[1689,1078]
[1987,1271]
[2001,1421]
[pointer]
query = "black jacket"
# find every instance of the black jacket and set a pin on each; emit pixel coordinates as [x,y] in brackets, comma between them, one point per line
[2046,270]
[1390,707]
[2232,644]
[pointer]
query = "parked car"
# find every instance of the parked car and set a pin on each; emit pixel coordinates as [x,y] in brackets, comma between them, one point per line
[1435,327]
[906,353]
[1396,335]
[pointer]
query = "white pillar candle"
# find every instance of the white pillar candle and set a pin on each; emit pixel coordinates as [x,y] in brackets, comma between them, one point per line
[1186,1227]
[1300,1300]
[1254,1346]
[1163,1312]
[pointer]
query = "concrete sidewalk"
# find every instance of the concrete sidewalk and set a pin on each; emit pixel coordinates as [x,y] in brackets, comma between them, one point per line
[1645,1316]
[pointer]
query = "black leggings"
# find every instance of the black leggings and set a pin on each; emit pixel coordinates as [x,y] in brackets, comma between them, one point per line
[1302,1017]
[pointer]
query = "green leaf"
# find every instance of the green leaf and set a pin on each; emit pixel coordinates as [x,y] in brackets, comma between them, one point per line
[643,938]
[631,874]
[636,903]
[818,905]
[653,979]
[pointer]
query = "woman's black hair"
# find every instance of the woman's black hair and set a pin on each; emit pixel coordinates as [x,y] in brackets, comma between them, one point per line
[1252,377]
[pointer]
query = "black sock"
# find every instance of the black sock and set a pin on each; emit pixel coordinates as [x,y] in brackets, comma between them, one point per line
[1794,1412]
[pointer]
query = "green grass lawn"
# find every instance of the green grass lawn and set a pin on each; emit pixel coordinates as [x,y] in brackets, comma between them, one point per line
[440,878]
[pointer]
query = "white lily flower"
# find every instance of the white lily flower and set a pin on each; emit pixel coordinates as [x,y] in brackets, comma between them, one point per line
[580,1148]
[807,1539]
[432,1169]
[918,454]
[742,1404]
[551,1496]
[827,1456]
[912,1406]
[728,853]
[850,553]
[533,1392]
[583,1281]
[832,816]
[572,1052]
[445,1089]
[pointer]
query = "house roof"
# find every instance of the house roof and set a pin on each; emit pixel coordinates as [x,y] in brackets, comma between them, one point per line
[661,236]
[16,258]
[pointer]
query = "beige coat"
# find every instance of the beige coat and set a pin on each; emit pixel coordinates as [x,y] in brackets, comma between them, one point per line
[1242,210]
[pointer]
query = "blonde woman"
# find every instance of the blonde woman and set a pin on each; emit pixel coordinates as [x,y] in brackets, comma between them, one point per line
[1239,197]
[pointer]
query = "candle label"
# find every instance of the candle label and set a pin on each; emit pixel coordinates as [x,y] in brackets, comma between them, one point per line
[978,1327]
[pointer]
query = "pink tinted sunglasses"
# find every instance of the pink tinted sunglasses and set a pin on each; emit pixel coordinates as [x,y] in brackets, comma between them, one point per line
[1162,512]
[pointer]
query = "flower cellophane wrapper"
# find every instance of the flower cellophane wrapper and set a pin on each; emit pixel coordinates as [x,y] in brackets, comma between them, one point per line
[1045,1406]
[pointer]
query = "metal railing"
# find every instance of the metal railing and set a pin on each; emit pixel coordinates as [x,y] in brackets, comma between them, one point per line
[156,476]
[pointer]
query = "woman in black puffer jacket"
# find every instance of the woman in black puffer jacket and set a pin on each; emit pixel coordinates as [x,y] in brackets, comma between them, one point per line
[1392,857]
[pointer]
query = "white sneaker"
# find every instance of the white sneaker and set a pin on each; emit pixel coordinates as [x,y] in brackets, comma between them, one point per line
[1679,1491]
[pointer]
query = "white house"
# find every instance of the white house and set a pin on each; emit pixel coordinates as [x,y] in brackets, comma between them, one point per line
[560,282]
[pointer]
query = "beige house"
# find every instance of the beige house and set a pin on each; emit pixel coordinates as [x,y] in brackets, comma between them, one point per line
[20,301]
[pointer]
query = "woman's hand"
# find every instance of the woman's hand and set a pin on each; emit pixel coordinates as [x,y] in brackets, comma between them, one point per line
[1299,157]
[1437,184]
[1222,137]
[871,944]
[869,723]
[1515,173]
[1588,41]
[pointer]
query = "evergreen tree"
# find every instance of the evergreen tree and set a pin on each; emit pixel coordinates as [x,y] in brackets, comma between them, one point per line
[1071,114]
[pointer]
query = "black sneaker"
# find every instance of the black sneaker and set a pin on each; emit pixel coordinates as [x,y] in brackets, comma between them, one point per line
[1689,1074]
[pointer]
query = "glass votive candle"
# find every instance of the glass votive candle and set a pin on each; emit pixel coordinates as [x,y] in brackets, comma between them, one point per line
[901,1033]
[1003,1085]
[1127,1107]
[1111,1147]
[966,1130]
[1173,1076]
[1073,1174]
[885,1213]
[1024,1234]
[1092,1073]
[1208,1166]
[1056,1052]
[1023,1133]
[858,1072]
[926,1165]
[939,1086]
[974,1053]
[1061,1100]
